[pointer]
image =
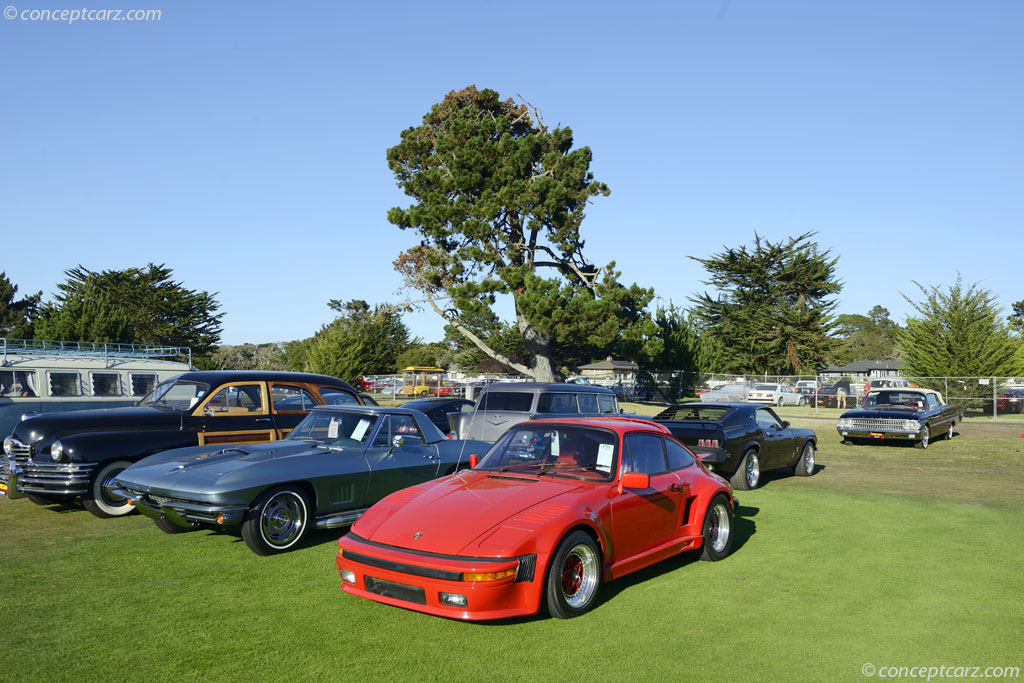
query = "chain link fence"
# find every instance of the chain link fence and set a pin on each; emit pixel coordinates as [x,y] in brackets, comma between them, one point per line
[995,397]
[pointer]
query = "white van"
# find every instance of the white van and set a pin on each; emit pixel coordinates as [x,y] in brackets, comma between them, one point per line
[38,376]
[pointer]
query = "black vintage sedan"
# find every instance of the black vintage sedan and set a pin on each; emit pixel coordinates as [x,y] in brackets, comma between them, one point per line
[61,456]
[741,440]
[901,415]
[332,467]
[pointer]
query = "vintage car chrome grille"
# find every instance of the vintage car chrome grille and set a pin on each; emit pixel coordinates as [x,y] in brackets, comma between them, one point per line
[55,478]
[877,424]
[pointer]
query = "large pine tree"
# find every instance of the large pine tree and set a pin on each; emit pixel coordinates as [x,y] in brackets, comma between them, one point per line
[773,311]
[958,333]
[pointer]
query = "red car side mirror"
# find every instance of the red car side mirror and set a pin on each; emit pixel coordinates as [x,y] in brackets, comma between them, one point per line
[634,480]
[473,460]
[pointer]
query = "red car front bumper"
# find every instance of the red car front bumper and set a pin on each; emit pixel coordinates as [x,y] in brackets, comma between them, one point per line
[433,583]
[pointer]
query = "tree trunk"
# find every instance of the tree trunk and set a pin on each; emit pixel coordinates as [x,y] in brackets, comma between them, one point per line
[539,346]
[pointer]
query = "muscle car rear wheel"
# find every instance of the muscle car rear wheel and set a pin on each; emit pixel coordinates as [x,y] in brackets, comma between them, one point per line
[169,527]
[101,499]
[805,465]
[949,431]
[923,441]
[748,474]
[717,530]
[574,576]
[277,520]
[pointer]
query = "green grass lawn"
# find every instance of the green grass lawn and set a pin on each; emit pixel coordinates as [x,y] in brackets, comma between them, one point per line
[888,555]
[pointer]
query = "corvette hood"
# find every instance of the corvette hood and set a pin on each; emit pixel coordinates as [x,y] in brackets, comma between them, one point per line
[183,468]
[452,512]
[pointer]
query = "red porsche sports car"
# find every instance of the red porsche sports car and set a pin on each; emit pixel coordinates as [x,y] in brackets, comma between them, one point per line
[554,509]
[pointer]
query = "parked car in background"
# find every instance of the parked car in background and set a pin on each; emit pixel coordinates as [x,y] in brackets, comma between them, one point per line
[741,440]
[776,395]
[437,410]
[336,463]
[885,383]
[39,376]
[901,415]
[555,509]
[1010,400]
[835,395]
[62,456]
[806,387]
[503,404]
[732,392]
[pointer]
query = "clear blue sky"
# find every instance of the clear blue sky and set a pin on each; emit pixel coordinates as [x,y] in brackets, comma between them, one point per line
[243,144]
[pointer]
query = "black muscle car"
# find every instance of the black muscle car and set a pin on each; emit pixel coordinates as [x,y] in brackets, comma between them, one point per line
[59,456]
[333,466]
[903,414]
[740,440]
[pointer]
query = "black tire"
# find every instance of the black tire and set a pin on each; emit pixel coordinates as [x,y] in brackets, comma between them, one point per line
[779,403]
[100,500]
[277,521]
[43,499]
[804,466]
[169,527]
[922,443]
[748,475]
[574,576]
[717,530]
[850,442]
[802,402]
[949,431]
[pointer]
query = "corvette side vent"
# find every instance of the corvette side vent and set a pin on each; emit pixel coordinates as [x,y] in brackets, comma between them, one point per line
[524,572]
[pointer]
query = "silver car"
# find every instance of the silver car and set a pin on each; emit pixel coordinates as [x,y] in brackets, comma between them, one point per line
[776,395]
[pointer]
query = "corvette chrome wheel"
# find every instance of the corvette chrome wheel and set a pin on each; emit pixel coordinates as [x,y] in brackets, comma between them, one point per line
[276,521]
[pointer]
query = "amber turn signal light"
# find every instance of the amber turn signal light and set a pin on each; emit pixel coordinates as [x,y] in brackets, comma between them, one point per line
[488,576]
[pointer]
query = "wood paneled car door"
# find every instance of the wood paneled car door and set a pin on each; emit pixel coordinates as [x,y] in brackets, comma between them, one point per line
[290,403]
[237,412]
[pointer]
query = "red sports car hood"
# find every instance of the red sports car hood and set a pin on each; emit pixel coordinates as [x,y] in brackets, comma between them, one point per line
[454,511]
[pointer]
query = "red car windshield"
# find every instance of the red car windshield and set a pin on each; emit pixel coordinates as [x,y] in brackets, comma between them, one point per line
[557,450]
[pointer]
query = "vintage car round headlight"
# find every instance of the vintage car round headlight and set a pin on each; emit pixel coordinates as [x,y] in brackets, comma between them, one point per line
[911,425]
[56,450]
[844,423]
[8,445]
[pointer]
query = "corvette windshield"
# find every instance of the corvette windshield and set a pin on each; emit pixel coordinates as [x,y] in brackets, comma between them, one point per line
[335,429]
[556,450]
[176,394]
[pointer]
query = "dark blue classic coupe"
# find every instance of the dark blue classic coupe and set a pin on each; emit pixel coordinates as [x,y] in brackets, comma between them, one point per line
[333,466]
[902,415]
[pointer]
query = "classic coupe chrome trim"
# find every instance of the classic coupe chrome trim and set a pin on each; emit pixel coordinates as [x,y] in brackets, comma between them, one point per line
[340,519]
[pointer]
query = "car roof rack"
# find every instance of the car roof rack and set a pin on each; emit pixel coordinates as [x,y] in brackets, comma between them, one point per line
[83,349]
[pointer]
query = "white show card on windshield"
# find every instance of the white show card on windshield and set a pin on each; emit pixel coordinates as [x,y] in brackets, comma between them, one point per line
[605,453]
[332,428]
[360,429]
